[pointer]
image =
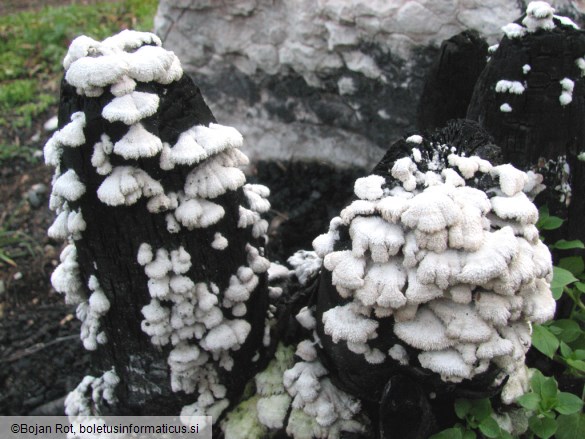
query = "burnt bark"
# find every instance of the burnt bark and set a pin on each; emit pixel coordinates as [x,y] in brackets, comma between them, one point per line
[450,81]
[539,128]
[109,245]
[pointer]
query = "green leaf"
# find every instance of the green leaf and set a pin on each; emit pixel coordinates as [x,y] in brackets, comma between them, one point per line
[529,401]
[450,433]
[481,409]
[571,426]
[566,351]
[544,341]
[489,427]
[549,223]
[579,354]
[549,390]
[569,330]
[557,292]
[580,286]
[469,434]
[568,245]
[562,277]
[577,364]
[536,381]
[568,403]
[462,408]
[574,264]
[542,427]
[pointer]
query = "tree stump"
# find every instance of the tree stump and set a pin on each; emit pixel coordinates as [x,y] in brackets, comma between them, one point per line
[165,240]
[531,98]
[451,79]
[403,296]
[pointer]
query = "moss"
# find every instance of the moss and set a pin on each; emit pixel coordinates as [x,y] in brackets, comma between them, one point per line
[269,381]
[242,422]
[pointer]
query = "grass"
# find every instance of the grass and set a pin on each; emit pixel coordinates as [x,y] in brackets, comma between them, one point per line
[32,46]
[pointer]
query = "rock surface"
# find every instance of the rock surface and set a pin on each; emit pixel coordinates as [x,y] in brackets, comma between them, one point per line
[335,81]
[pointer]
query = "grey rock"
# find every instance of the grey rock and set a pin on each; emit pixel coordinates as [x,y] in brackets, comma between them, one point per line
[320,80]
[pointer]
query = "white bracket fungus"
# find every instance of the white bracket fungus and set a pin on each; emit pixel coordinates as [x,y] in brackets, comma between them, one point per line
[89,313]
[514,30]
[370,187]
[539,15]
[65,279]
[68,186]
[257,197]
[306,264]
[213,178]
[220,242]
[455,268]
[137,143]
[566,96]
[100,157]
[514,87]
[89,396]
[131,108]
[126,185]
[198,213]
[72,134]
[117,61]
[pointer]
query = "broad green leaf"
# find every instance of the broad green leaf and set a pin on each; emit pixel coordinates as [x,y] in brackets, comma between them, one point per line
[580,286]
[529,401]
[549,223]
[557,292]
[543,211]
[469,434]
[542,427]
[577,364]
[580,354]
[549,390]
[568,403]
[537,380]
[450,433]
[562,277]
[462,408]
[571,426]
[544,341]
[570,330]
[573,263]
[566,351]
[489,427]
[568,245]
[481,409]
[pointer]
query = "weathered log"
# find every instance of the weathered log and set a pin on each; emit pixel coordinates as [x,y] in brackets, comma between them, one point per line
[165,254]
[531,98]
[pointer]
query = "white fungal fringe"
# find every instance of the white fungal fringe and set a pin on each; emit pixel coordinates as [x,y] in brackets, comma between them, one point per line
[454,267]
[89,396]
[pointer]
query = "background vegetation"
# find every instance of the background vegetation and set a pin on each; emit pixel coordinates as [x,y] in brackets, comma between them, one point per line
[32,47]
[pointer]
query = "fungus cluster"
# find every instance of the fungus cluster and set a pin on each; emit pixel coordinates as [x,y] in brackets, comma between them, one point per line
[127,150]
[539,17]
[297,397]
[195,324]
[91,393]
[459,269]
